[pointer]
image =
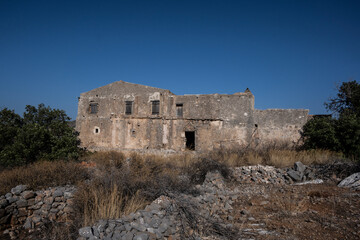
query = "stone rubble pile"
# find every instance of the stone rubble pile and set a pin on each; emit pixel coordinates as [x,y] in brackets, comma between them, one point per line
[171,217]
[269,174]
[353,182]
[32,209]
[176,217]
[209,213]
[153,222]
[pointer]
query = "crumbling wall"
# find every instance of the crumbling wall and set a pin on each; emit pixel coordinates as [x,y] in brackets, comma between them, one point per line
[24,208]
[278,126]
[217,120]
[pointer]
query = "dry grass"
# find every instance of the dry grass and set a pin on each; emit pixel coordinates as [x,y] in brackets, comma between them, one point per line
[272,156]
[122,184]
[286,158]
[101,203]
[106,159]
[42,175]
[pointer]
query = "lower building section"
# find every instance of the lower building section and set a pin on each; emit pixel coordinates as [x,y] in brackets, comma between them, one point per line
[182,134]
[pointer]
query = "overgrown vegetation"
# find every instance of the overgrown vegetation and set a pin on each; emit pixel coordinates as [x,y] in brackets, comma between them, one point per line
[41,134]
[42,174]
[340,133]
[278,157]
[121,185]
[113,184]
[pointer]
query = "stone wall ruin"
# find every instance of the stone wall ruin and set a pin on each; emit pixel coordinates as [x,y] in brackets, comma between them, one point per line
[126,116]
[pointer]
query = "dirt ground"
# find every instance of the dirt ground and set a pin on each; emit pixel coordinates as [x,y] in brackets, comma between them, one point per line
[314,211]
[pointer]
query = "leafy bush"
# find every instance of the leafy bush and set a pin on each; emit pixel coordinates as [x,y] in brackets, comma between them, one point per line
[320,132]
[43,133]
[343,132]
[348,135]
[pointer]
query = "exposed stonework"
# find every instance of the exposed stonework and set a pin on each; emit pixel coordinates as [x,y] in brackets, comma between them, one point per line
[24,208]
[130,116]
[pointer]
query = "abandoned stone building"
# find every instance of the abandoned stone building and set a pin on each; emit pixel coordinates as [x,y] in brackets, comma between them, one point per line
[127,116]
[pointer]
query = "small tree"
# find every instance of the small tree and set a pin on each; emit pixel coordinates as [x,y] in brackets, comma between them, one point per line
[347,100]
[320,132]
[341,133]
[348,134]
[10,123]
[43,133]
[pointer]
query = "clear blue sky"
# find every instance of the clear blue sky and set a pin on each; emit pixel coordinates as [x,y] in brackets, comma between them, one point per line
[290,54]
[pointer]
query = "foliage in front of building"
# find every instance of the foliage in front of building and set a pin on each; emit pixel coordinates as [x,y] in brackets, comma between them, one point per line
[341,132]
[41,134]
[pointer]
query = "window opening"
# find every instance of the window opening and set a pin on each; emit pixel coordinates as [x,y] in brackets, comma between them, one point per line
[190,140]
[155,107]
[128,107]
[96,130]
[94,108]
[179,109]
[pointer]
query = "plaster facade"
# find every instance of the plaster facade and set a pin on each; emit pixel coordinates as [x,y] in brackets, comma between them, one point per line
[127,116]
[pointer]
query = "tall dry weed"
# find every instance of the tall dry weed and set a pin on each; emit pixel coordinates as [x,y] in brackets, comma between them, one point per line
[287,158]
[119,189]
[106,159]
[278,157]
[98,203]
[42,175]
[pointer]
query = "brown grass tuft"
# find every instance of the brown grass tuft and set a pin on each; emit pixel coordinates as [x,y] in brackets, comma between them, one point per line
[98,202]
[107,159]
[278,157]
[42,175]
[118,189]
[287,158]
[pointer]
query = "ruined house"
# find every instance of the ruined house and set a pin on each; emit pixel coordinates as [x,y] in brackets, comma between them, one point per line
[127,116]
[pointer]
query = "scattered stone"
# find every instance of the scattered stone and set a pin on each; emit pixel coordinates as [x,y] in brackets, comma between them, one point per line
[21,203]
[18,189]
[27,194]
[86,232]
[22,208]
[141,236]
[299,167]
[316,181]
[353,181]
[49,200]
[294,175]
[3,203]
[168,216]
[58,193]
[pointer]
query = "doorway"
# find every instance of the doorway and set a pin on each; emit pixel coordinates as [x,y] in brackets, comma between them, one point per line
[190,140]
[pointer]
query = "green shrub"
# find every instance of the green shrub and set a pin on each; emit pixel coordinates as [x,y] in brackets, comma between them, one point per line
[320,133]
[342,133]
[43,133]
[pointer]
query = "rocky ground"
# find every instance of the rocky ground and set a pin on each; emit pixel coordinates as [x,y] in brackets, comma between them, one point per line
[257,202]
[253,202]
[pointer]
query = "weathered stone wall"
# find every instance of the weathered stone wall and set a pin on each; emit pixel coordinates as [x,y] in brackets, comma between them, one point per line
[218,120]
[281,125]
[32,209]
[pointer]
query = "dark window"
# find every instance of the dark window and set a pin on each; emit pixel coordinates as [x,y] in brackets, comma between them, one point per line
[94,107]
[179,109]
[155,107]
[190,140]
[128,107]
